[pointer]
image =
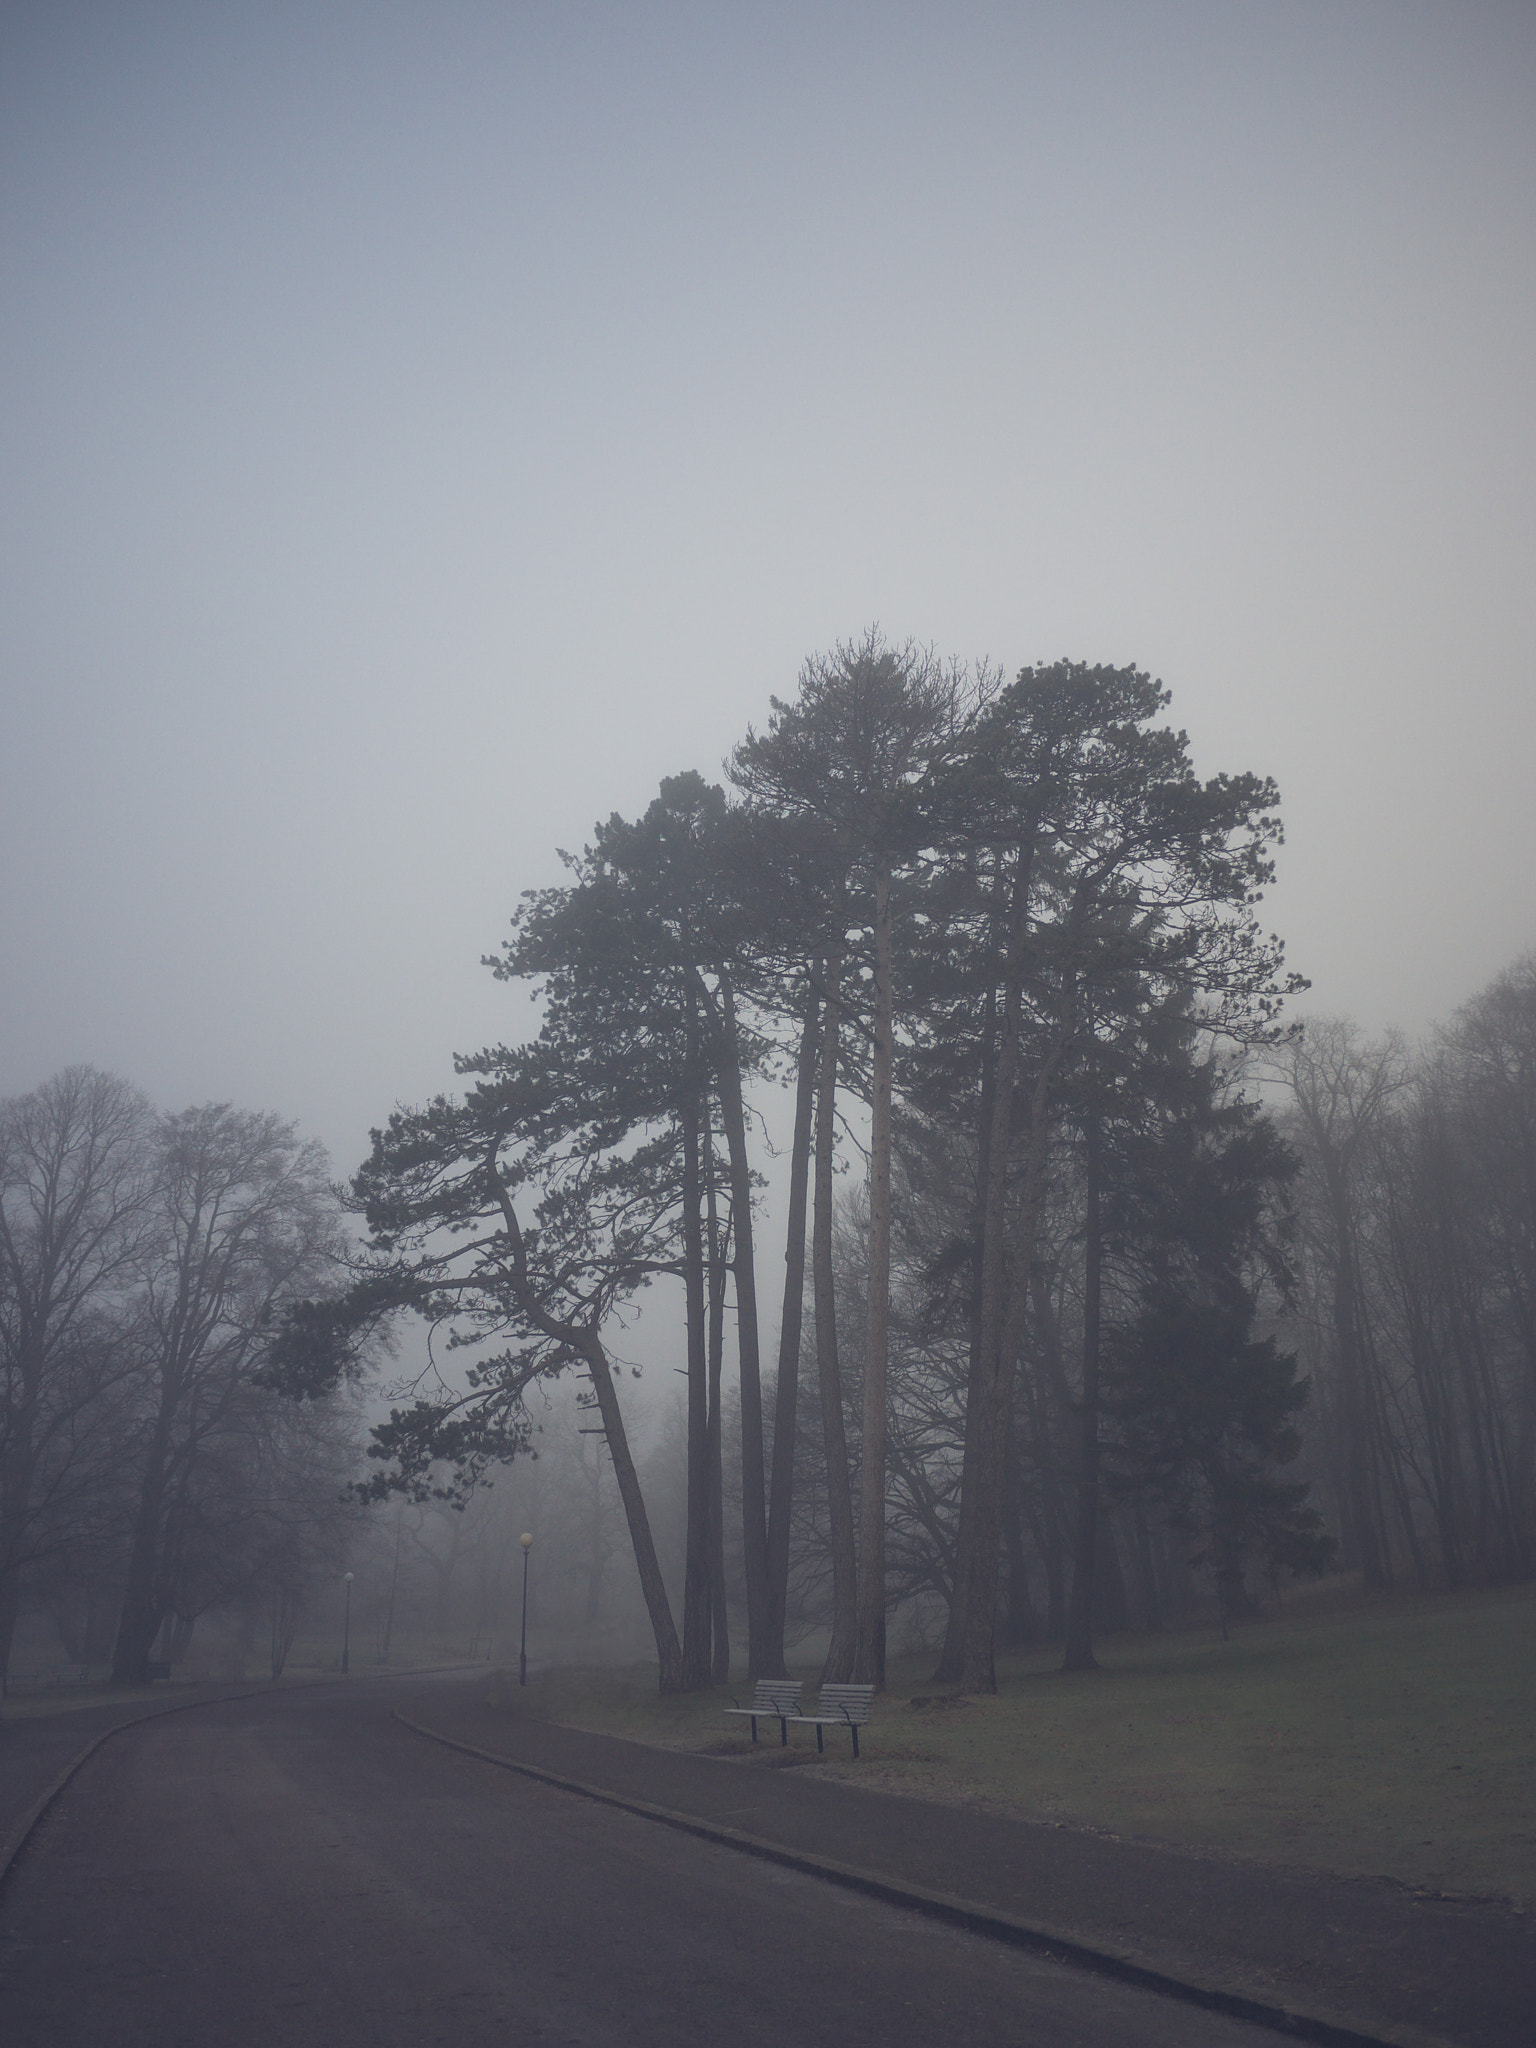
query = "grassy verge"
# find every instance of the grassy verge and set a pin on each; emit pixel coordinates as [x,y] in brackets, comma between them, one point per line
[308,1662]
[1398,1741]
[36,1706]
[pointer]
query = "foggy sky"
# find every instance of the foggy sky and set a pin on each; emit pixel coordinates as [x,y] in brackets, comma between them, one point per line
[424,428]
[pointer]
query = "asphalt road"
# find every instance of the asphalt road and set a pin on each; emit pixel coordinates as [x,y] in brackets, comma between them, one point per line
[300,1869]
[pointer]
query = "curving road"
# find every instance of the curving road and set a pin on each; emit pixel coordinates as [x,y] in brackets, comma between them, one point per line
[299,1869]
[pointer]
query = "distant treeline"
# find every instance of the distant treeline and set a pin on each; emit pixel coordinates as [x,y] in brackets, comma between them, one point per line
[1414,1310]
[147,1472]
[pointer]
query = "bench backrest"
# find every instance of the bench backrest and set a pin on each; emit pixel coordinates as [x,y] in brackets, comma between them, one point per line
[779,1696]
[852,1702]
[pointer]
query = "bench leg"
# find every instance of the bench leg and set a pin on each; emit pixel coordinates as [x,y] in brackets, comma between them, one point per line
[784,1735]
[818,1738]
[754,1727]
[855,1731]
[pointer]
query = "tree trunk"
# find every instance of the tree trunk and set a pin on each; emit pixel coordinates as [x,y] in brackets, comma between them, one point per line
[394,1583]
[696,1587]
[1111,1602]
[10,1603]
[787,1391]
[17,1471]
[996,1394]
[1357,1445]
[1051,1524]
[869,1659]
[1019,1622]
[754,1519]
[983,1484]
[668,1649]
[597,1550]
[996,1139]
[840,1651]
[285,1626]
[1146,1575]
[1055,1590]
[587,1344]
[1079,1656]
[443,1575]
[720,1626]
[143,1608]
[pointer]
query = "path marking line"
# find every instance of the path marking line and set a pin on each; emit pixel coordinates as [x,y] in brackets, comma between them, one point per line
[985,1920]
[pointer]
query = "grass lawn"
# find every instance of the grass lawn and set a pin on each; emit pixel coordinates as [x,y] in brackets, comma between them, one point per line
[1396,1741]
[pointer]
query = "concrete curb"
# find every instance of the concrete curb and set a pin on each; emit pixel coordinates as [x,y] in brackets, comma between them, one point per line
[21,1834]
[1327,2030]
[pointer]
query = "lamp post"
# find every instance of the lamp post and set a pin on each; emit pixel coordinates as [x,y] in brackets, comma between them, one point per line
[522,1648]
[346,1626]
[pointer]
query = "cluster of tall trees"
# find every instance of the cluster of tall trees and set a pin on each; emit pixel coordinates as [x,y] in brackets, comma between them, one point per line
[1416,1301]
[147,1471]
[1000,940]
[1134,1294]
[1160,1271]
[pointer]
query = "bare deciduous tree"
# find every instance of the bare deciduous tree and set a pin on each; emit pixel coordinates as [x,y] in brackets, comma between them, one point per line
[244,1221]
[74,1190]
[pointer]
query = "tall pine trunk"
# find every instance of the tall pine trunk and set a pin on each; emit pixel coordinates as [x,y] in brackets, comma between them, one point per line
[985,1480]
[995,1143]
[869,1659]
[669,1651]
[754,1515]
[1079,1655]
[969,1653]
[720,1626]
[787,1392]
[584,1341]
[696,1585]
[840,1651]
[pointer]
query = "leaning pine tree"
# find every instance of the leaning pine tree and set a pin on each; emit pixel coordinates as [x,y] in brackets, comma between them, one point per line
[518,1219]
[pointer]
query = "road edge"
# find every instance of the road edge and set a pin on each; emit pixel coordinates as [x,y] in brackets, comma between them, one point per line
[1326,2030]
[21,1834]
[12,1846]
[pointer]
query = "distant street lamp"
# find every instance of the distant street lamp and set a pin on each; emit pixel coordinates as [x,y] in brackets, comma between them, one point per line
[346,1626]
[522,1648]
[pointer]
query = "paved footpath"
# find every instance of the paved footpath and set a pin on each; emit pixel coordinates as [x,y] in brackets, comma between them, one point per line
[298,1869]
[1371,1954]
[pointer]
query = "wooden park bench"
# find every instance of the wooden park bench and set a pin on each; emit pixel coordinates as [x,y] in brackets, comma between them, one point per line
[840,1706]
[776,1699]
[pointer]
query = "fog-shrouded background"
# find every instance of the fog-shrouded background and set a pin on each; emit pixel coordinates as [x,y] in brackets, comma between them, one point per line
[424,428]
